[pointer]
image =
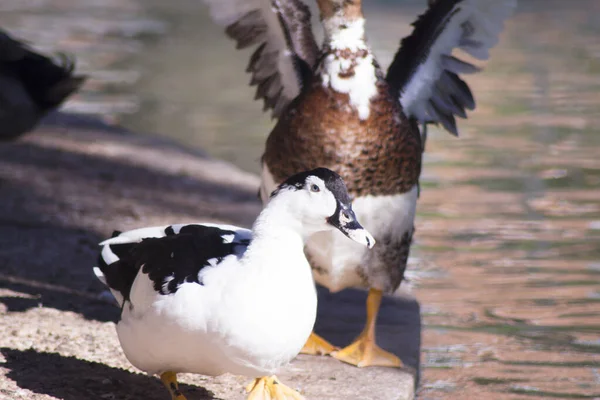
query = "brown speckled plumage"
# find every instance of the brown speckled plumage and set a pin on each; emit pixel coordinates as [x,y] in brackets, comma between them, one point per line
[377,156]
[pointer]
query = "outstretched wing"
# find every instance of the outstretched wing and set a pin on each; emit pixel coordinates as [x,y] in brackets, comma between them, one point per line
[170,256]
[425,74]
[285,52]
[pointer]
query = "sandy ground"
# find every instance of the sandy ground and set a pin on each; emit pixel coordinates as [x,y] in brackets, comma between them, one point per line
[67,186]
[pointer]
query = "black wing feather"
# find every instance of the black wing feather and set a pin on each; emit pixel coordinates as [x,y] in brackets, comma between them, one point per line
[181,256]
[424,73]
[415,48]
[120,274]
[171,260]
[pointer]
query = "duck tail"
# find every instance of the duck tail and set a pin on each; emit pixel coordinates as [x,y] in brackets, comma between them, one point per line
[100,275]
[114,267]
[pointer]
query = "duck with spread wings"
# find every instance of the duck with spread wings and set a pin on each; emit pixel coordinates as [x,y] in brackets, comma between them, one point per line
[335,107]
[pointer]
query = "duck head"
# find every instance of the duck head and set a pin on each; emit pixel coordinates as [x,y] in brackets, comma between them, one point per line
[320,200]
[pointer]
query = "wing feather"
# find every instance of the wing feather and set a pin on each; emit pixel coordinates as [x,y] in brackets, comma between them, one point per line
[425,74]
[286,46]
[170,255]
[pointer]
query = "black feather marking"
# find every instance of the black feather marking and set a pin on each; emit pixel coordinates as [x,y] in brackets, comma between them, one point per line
[446,119]
[450,92]
[248,30]
[255,58]
[169,261]
[423,140]
[414,49]
[263,88]
[462,89]
[332,180]
[451,95]
[176,259]
[120,274]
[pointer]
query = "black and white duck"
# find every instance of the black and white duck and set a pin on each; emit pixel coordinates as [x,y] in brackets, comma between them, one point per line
[31,85]
[210,299]
[336,108]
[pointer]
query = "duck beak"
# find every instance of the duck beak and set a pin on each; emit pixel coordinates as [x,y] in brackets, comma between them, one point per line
[345,221]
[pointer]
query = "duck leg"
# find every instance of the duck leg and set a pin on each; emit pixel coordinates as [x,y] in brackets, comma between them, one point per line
[364,352]
[169,379]
[269,388]
[317,346]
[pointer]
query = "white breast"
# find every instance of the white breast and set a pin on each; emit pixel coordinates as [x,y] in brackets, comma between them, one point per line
[246,321]
[338,263]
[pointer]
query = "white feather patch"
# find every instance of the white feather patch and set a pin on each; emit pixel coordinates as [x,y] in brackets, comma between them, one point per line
[165,285]
[228,238]
[108,256]
[351,36]
[361,86]
[212,262]
[136,235]
[99,275]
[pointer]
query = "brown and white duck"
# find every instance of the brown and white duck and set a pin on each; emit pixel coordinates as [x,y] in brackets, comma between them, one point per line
[31,85]
[336,108]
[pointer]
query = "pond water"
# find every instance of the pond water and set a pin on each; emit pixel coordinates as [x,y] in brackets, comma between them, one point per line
[506,263]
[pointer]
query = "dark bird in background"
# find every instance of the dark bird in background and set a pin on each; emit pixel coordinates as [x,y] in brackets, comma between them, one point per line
[31,85]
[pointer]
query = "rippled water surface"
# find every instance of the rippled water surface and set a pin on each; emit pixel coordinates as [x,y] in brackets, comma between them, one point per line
[509,230]
[507,255]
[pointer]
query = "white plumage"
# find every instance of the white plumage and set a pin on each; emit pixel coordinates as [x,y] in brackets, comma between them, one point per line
[210,298]
[361,85]
[344,261]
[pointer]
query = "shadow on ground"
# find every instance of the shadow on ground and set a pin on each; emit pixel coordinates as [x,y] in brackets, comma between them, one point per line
[341,317]
[70,378]
[65,188]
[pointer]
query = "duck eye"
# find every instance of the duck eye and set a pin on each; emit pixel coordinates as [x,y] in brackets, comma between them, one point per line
[315,188]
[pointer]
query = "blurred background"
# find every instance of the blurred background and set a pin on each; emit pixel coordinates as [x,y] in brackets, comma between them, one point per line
[506,263]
